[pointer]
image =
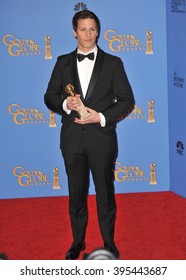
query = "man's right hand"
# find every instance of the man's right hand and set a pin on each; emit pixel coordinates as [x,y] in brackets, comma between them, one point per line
[73,102]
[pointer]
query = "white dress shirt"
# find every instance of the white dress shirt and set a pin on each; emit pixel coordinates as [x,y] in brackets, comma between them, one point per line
[85,68]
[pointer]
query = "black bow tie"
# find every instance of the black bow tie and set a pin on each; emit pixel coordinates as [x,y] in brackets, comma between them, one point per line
[81,56]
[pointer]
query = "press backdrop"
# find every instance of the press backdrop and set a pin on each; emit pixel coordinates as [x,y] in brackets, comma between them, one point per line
[148,36]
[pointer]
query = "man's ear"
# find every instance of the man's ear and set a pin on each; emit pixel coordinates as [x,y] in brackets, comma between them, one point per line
[75,34]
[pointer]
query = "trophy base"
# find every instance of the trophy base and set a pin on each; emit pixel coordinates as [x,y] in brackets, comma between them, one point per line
[56,187]
[83,113]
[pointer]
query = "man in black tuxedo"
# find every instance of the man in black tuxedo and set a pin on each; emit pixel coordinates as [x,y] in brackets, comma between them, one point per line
[90,144]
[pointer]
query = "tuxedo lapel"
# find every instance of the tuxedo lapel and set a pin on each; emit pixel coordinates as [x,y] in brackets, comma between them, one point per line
[96,73]
[75,76]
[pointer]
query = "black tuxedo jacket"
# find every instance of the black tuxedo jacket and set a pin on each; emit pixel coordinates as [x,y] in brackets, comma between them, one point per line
[109,92]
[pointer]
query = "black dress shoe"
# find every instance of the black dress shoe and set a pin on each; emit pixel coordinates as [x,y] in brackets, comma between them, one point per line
[112,248]
[75,250]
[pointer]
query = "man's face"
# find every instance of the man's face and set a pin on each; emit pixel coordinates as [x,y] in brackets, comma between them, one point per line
[86,34]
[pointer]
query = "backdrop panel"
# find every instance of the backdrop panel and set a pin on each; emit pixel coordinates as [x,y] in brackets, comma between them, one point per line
[33,34]
[176,42]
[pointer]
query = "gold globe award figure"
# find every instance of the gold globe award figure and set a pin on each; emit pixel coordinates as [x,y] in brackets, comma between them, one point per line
[56,185]
[151,111]
[52,119]
[149,49]
[153,180]
[83,113]
[47,48]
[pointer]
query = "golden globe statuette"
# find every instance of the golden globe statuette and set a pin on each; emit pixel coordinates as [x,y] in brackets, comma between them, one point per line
[153,174]
[47,48]
[151,111]
[83,113]
[149,42]
[56,185]
[52,120]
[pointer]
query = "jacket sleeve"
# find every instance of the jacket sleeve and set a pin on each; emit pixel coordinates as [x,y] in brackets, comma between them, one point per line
[124,101]
[53,97]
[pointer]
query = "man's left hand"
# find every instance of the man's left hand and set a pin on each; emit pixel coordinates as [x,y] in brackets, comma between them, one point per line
[93,118]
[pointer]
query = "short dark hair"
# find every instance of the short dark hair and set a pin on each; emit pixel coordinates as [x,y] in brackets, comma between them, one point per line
[83,15]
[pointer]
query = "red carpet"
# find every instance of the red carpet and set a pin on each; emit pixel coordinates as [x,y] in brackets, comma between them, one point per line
[148,226]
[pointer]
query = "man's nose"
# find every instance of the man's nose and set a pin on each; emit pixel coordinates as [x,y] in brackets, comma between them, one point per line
[88,33]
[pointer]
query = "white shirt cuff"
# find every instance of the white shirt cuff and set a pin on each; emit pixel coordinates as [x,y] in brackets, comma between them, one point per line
[103,120]
[65,107]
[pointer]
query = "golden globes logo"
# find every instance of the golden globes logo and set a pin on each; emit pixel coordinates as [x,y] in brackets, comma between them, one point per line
[137,113]
[26,116]
[129,173]
[18,47]
[134,173]
[127,42]
[27,177]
